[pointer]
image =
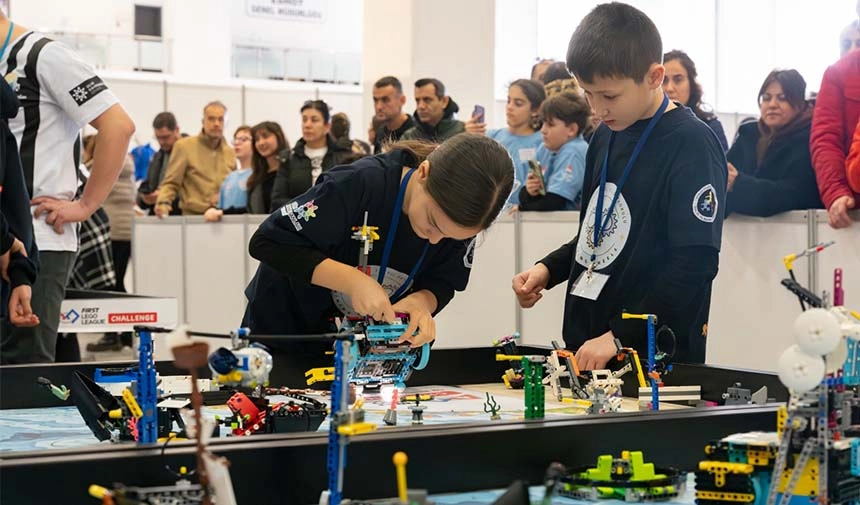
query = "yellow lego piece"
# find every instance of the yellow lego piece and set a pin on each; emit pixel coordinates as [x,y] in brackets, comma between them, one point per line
[130,401]
[319,374]
[719,496]
[639,375]
[719,469]
[759,456]
[356,429]
[807,485]
[585,404]
[507,357]
[781,417]
[115,414]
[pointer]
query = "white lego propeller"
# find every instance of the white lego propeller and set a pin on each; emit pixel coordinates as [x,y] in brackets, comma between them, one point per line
[817,331]
[800,371]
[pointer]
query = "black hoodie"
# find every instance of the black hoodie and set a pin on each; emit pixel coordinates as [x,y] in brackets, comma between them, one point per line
[294,177]
[15,218]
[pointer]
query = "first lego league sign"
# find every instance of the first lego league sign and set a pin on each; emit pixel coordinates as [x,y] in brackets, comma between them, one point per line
[117,314]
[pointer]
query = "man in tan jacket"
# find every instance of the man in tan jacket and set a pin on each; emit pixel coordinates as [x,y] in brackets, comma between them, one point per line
[197,167]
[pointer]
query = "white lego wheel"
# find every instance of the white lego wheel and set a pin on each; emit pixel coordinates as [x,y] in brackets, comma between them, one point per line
[836,359]
[817,331]
[799,371]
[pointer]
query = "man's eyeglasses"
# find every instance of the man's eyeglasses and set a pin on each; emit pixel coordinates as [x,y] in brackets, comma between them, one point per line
[242,138]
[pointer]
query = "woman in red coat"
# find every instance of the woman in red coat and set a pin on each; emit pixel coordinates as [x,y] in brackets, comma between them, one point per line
[837,110]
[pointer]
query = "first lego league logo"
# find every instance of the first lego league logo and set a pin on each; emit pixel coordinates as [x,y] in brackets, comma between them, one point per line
[90,316]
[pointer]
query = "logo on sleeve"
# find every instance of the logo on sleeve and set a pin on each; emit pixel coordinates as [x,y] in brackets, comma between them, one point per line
[297,213]
[83,92]
[567,176]
[705,204]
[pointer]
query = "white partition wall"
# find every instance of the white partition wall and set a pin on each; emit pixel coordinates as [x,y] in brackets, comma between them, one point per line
[214,269]
[157,259]
[206,267]
[540,234]
[486,310]
[751,313]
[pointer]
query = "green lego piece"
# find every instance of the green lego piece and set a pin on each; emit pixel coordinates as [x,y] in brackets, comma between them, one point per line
[642,470]
[603,470]
[534,390]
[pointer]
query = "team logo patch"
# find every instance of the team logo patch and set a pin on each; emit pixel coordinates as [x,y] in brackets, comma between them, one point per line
[705,204]
[83,92]
[297,213]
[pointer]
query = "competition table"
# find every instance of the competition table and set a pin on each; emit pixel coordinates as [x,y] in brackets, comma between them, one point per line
[448,457]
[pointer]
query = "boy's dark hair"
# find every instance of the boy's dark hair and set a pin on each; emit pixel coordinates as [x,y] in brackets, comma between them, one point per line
[389,80]
[470,176]
[437,84]
[695,100]
[164,120]
[555,71]
[260,165]
[320,106]
[340,126]
[614,40]
[568,107]
[793,87]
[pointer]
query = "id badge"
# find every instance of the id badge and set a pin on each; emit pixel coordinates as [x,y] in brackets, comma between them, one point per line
[589,288]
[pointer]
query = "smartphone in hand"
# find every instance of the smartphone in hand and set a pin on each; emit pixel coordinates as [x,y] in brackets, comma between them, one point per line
[478,113]
[534,169]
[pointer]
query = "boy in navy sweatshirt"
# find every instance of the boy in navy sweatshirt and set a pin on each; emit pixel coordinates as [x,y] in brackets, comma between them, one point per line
[658,176]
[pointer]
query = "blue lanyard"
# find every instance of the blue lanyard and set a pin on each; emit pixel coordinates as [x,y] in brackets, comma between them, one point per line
[599,225]
[6,42]
[389,240]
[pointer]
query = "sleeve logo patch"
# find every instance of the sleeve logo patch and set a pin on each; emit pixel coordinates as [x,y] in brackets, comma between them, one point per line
[83,92]
[297,213]
[705,204]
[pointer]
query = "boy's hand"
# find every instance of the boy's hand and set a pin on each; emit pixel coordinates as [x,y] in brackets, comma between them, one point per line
[594,354]
[20,312]
[422,327]
[369,299]
[529,284]
[532,185]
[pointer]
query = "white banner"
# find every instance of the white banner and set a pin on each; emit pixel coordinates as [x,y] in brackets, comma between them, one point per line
[288,10]
[100,315]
